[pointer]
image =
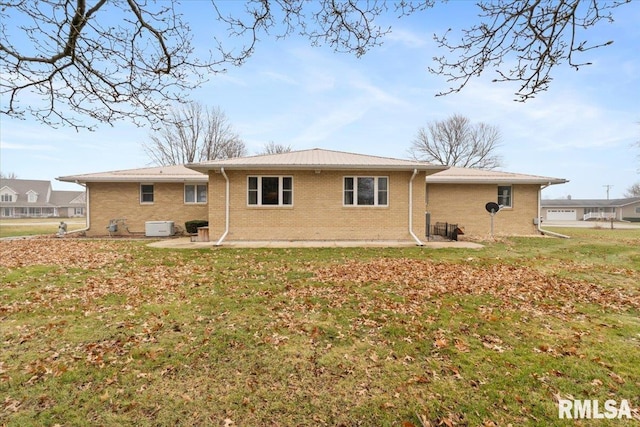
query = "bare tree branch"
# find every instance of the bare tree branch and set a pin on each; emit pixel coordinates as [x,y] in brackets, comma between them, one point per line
[457,142]
[274,148]
[523,40]
[81,63]
[66,61]
[192,133]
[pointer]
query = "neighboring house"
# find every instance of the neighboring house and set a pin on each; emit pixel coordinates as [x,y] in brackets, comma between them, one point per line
[459,196]
[133,197]
[591,209]
[316,195]
[24,198]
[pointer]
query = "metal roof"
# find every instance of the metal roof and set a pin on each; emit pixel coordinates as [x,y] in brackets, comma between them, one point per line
[457,175]
[177,173]
[314,159]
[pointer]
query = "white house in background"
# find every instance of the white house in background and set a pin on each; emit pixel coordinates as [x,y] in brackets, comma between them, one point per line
[26,198]
[591,209]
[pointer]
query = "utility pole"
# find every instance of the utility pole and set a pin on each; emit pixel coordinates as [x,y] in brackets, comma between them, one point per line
[608,186]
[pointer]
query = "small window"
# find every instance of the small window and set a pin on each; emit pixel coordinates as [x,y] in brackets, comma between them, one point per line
[6,198]
[366,191]
[32,197]
[270,191]
[146,193]
[504,196]
[195,193]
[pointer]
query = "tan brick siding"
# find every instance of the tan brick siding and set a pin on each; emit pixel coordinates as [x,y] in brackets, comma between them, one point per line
[122,200]
[317,212]
[464,204]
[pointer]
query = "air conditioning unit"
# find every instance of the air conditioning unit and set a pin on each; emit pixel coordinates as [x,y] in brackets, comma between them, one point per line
[159,228]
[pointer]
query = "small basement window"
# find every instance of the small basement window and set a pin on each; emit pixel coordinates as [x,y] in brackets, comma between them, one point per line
[146,193]
[505,196]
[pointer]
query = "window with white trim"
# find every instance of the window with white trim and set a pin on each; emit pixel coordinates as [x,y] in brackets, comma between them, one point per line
[270,190]
[6,197]
[505,196]
[366,191]
[146,193]
[195,193]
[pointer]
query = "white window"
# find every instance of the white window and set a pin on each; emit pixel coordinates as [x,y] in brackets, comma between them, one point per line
[270,191]
[504,196]
[6,197]
[195,193]
[146,193]
[366,191]
[32,197]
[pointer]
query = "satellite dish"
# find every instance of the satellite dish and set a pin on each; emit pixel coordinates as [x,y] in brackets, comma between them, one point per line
[492,207]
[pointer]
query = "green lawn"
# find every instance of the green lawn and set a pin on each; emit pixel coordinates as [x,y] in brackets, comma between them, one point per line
[37,226]
[99,332]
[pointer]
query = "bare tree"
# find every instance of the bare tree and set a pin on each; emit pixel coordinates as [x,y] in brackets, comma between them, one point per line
[458,142]
[113,60]
[8,175]
[191,134]
[633,191]
[274,148]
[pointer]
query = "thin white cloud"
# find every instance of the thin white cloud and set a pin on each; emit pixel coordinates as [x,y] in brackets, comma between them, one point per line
[25,147]
[409,39]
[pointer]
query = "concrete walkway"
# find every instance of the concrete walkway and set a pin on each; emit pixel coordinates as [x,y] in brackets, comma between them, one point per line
[186,243]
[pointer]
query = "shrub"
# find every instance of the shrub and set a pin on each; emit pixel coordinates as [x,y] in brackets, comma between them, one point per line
[192,226]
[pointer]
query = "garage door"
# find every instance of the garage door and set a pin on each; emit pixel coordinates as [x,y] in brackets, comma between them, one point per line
[561,214]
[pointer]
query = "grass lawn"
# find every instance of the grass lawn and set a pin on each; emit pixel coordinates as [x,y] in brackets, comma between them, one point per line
[99,332]
[37,226]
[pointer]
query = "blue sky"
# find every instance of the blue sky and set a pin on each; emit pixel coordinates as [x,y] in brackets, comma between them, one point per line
[581,129]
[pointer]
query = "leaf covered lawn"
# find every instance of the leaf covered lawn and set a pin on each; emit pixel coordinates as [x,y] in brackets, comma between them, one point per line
[100,332]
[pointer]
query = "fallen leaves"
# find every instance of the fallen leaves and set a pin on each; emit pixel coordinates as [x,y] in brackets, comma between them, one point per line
[521,288]
[72,253]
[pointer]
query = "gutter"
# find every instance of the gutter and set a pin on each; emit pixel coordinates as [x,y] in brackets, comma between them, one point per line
[545,232]
[226,213]
[418,242]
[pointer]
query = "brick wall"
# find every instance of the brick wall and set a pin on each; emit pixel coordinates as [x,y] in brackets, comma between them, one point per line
[122,200]
[464,204]
[317,212]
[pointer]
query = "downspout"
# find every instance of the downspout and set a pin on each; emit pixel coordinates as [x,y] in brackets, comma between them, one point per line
[88,214]
[545,232]
[226,212]
[418,242]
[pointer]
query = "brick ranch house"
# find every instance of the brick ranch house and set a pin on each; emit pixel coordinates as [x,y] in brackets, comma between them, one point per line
[308,195]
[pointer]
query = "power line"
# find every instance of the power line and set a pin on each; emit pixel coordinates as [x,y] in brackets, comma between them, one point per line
[608,186]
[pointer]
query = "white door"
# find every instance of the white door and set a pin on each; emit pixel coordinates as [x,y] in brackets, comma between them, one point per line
[561,215]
